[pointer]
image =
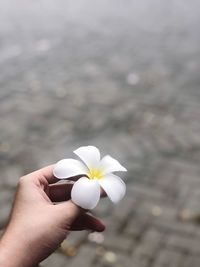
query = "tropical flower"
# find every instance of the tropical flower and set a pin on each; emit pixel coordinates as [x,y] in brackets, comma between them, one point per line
[96,173]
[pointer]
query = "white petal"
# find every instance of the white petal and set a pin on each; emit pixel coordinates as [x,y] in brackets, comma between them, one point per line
[86,193]
[114,187]
[90,155]
[109,164]
[67,168]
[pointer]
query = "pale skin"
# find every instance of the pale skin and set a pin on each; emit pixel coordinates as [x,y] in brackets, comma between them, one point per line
[37,226]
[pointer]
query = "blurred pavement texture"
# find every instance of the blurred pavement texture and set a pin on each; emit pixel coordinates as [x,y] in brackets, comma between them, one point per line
[121,75]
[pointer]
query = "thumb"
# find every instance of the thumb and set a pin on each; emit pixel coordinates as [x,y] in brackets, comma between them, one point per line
[69,211]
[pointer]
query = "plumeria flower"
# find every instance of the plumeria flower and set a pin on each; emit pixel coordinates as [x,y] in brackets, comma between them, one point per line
[96,173]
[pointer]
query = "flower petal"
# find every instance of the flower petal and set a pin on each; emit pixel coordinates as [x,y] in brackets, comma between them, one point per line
[86,193]
[67,168]
[109,164]
[90,155]
[114,187]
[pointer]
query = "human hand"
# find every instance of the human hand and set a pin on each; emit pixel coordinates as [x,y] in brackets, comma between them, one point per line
[37,227]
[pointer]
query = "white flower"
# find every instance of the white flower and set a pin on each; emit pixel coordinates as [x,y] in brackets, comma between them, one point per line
[96,173]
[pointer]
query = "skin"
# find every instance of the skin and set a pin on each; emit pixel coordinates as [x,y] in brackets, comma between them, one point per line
[37,226]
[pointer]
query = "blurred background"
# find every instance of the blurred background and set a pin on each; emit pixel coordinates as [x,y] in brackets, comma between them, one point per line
[123,75]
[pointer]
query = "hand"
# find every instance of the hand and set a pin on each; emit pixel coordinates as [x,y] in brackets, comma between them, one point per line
[37,226]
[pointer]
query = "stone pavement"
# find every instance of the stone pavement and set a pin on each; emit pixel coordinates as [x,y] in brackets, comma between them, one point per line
[124,76]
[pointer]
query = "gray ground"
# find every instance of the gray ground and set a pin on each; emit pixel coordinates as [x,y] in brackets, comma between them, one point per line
[121,75]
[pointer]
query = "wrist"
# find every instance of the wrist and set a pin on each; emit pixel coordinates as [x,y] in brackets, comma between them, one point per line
[14,250]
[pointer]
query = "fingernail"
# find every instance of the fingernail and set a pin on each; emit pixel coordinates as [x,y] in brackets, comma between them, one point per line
[101,228]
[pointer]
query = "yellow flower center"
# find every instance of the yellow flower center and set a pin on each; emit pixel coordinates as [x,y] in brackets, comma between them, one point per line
[95,174]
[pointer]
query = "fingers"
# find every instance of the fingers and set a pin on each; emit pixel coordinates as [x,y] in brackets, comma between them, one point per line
[68,211]
[47,174]
[60,192]
[87,222]
[42,175]
[75,218]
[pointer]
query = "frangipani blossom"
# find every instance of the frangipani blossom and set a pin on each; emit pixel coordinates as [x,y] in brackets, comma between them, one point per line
[97,173]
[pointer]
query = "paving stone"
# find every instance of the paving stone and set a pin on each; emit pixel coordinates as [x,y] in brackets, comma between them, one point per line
[148,245]
[76,237]
[56,259]
[122,211]
[191,261]
[121,260]
[103,208]
[135,227]
[117,242]
[85,257]
[180,227]
[147,191]
[168,259]
[6,198]
[10,176]
[187,244]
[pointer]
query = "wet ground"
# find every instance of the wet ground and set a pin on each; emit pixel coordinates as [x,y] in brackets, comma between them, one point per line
[121,75]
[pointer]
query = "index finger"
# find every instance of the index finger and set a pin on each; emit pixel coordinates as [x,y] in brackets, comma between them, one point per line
[44,173]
